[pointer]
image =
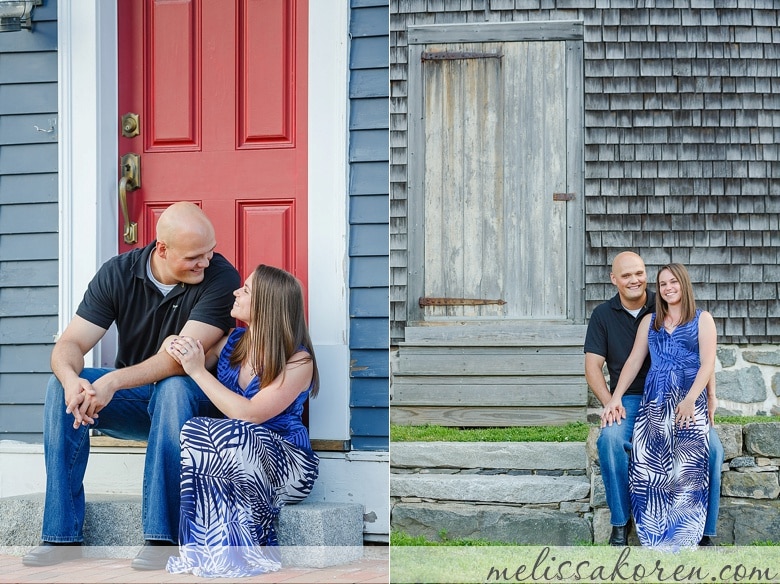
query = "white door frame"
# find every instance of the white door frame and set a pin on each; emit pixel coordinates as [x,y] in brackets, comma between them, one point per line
[88,164]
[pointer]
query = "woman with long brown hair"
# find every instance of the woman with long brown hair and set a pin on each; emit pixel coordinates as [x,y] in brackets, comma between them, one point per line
[237,472]
[668,469]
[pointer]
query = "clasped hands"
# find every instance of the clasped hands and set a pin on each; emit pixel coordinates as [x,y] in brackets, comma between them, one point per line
[684,413]
[84,400]
[188,352]
[613,413]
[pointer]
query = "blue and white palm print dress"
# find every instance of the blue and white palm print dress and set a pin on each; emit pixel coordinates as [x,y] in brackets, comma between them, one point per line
[235,477]
[668,473]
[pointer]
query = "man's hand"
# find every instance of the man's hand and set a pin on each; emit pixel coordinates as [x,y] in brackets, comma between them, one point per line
[712,405]
[75,396]
[99,397]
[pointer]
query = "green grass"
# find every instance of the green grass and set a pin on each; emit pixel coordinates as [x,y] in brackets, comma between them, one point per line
[399,538]
[745,419]
[573,432]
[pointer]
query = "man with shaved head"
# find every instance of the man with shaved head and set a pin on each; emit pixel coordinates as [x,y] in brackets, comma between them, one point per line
[610,338]
[177,285]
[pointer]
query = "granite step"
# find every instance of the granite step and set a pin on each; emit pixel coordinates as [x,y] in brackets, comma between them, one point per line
[312,534]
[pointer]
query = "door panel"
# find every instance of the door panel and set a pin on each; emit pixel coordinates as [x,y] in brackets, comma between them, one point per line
[220,89]
[463,175]
[493,197]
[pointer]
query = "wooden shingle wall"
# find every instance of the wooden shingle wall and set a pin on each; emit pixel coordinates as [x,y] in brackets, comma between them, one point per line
[368,220]
[28,221]
[682,163]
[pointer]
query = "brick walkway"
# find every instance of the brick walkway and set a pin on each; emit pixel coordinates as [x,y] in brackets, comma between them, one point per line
[371,569]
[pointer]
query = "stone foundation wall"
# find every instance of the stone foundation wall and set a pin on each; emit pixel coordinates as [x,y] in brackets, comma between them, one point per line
[750,485]
[552,493]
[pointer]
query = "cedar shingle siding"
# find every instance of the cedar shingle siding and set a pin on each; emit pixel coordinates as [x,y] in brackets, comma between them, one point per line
[682,163]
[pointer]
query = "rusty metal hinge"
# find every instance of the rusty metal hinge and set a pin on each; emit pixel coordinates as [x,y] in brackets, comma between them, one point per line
[455,55]
[563,196]
[426,301]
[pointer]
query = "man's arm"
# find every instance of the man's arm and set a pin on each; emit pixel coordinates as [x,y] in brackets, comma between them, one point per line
[594,375]
[67,361]
[712,399]
[157,367]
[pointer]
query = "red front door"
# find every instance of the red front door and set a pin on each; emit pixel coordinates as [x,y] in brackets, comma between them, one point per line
[220,90]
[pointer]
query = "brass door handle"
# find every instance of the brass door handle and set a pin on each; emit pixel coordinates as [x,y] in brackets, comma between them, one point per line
[130,181]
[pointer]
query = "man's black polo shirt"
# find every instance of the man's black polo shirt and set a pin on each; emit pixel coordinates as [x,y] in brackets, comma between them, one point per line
[611,333]
[121,292]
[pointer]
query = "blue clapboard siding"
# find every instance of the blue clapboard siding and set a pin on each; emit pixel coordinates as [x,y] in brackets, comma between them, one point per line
[368,221]
[28,222]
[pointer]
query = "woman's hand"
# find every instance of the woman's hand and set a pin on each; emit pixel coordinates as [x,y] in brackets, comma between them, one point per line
[613,412]
[685,414]
[188,352]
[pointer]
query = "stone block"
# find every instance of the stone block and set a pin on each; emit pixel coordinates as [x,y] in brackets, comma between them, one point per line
[742,462]
[762,357]
[313,534]
[491,522]
[742,522]
[491,489]
[763,438]
[742,386]
[731,437]
[591,451]
[598,493]
[753,485]
[727,356]
[502,455]
[317,535]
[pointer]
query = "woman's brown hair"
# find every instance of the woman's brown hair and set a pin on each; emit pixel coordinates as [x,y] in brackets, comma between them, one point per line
[278,327]
[687,302]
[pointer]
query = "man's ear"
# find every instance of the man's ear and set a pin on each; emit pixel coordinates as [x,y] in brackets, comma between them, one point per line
[161,248]
[611,276]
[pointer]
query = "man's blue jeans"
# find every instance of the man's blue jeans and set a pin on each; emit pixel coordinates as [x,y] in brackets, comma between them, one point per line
[614,444]
[155,413]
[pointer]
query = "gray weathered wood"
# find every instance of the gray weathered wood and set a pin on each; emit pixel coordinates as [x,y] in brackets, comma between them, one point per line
[490,141]
[485,416]
[490,361]
[511,333]
[489,391]
[557,30]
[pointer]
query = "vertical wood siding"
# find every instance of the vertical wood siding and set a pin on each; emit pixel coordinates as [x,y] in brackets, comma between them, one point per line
[28,221]
[368,220]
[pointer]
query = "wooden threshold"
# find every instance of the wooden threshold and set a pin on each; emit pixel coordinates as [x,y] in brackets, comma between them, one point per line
[317,445]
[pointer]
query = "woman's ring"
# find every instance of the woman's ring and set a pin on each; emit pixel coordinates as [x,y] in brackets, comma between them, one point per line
[183,351]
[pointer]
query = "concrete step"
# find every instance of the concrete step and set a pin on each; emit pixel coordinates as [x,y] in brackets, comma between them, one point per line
[489,455]
[507,489]
[312,534]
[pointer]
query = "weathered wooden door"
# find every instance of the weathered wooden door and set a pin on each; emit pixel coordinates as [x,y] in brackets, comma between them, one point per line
[495,178]
[219,88]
